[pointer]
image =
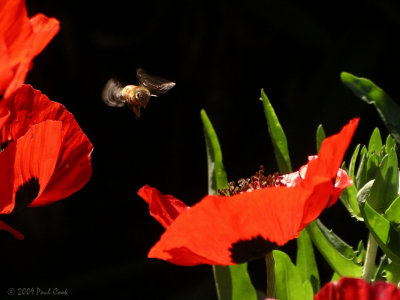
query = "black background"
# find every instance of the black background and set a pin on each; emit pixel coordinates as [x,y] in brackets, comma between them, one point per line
[220,54]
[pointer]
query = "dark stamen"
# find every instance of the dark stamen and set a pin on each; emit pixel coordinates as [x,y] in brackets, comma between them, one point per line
[257,181]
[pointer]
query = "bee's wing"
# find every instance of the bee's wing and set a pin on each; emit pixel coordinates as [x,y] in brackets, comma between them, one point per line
[111,94]
[156,85]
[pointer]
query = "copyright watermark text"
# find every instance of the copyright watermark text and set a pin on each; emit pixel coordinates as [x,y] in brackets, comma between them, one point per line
[37,291]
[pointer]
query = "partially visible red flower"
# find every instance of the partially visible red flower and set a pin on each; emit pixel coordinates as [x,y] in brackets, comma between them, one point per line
[226,230]
[358,289]
[21,39]
[44,155]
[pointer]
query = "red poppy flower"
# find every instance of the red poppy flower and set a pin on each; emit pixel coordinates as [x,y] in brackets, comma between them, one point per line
[44,155]
[226,230]
[358,289]
[21,39]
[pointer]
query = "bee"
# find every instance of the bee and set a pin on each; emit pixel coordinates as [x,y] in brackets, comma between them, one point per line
[135,96]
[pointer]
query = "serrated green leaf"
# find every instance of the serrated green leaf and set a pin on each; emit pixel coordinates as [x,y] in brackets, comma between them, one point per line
[375,141]
[305,261]
[232,282]
[368,91]
[386,185]
[278,136]
[320,136]
[340,256]
[288,281]
[385,235]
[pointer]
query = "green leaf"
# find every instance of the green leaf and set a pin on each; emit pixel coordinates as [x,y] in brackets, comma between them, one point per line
[320,136]
[386,185]
[335,277]
[289,283]
[391,271]
[372,165]
[352,165]
[305,261]
[393,211]
[217,179]
[385,235]
[390,143]
[360,253]
[364,192]
[340,256]
[368,91]
[375,141]
[232,282]
[361,175]
[349,200]
[278,136]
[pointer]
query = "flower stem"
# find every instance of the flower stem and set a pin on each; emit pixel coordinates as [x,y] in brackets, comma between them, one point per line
[270,264]
[370,257]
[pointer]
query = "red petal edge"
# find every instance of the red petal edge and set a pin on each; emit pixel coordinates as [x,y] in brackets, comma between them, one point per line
[163,208]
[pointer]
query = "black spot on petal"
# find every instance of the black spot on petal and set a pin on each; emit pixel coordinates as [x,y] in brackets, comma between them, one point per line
[26,193]
[4,145]
[246,250]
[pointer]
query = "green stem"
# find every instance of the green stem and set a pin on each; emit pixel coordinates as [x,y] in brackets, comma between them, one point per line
[370,257]
[270,264]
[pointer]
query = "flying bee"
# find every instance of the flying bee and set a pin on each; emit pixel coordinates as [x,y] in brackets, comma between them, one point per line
[135,96]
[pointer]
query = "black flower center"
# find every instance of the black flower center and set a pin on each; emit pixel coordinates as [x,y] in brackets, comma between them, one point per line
[257,181]
[246,250]
[26,193]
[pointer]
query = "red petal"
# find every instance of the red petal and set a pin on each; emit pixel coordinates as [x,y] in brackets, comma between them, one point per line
[326,167]
[331,153]
[31,156]
[210,228]
[358,289]
[44,29]
[15,27]
[221,230]
[163,208]
[73,169]
[384,290]
[15,233]
[21,40]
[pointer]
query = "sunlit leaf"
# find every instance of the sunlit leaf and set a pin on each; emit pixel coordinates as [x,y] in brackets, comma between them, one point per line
[393,211]
[216,172]
[339,255]
[368,91]
[386,185]
[320,136]
[289,283]
[390,143]
[385,235]
[361,175]
[375,141]
[278,136]
[305,261]
[391,272]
